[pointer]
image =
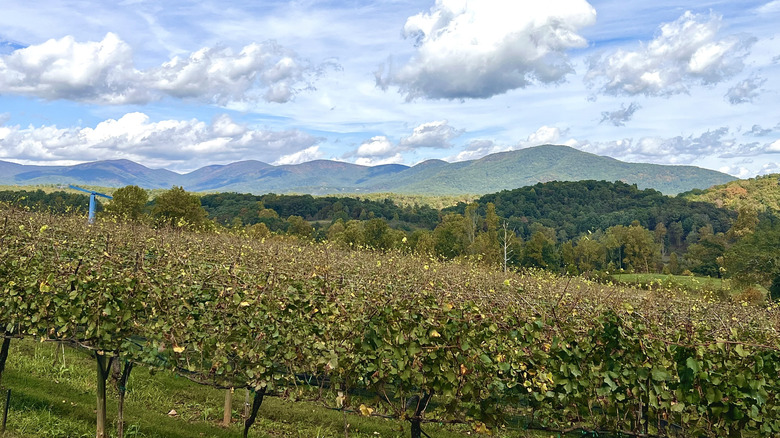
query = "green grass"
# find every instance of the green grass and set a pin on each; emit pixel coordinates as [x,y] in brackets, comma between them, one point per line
[53,396]
[690,282]
[722,287]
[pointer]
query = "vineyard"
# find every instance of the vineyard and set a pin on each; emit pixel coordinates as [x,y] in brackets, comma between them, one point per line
[389,334]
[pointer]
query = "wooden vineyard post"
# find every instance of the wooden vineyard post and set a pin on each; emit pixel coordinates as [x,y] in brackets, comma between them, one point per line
[103,368]
[228,407]
[5,411]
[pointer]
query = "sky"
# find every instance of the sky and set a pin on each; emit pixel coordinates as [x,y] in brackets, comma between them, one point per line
[181,84]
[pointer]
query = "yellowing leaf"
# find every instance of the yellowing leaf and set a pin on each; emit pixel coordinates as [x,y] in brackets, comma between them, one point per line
[365,411]
[480,427]
[178,349]
[435,334]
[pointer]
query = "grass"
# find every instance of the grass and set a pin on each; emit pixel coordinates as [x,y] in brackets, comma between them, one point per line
[686,281]
[53,396]
[721,287]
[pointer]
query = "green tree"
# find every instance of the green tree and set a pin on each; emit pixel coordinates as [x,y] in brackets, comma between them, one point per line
[589,254]
[423,242]
[129,203]
[177,208]
[674,264]
[450,236]
[634,247]
[298,226]
[746,223]
[756,258]
[540,251]
[702,257]
[377,234]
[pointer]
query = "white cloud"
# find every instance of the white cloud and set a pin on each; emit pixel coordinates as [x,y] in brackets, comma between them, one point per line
[773,147]
[621,116]
[770,8]
[478,49]
[437,135]
[673,150]
[308,154]
[477,149]
[543,135]
[737,171]
[758,131]
[745,91]
[103,72]
[373,161]
[768,168]
[379,146]
[167,143]
[65,69]
[685,52]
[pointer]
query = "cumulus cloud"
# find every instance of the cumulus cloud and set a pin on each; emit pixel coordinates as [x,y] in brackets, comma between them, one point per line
[745,91]
[758,131]
[103,72]
[375,161]
[379,146]
[674,150]
[478,49]
[768,168]
[380,149]
[477,149]
[308,154]
[685,52]
[736,170]
[621,116]
[167,143]
[437,135]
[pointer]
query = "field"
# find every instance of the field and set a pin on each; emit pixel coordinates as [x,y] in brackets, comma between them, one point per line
[404,342]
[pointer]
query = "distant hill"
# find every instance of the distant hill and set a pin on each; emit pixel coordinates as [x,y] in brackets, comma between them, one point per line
[502,171]
[578,207]
[762,192]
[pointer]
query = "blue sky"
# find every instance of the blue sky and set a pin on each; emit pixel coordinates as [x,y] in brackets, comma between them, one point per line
[181,85]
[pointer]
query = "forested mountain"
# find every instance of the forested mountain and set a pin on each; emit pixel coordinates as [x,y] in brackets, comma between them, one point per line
[502,171]
[758,193]
[574,208]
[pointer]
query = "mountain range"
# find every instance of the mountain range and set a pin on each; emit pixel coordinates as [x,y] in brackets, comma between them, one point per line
[492,173]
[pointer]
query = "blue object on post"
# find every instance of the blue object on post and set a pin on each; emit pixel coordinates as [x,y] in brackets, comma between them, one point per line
[92,194]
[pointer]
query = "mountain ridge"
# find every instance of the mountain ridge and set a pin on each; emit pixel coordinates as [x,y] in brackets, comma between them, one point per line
[492,173]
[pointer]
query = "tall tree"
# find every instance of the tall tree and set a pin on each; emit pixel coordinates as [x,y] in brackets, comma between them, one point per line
[178,208]
[756,258]
[129,203]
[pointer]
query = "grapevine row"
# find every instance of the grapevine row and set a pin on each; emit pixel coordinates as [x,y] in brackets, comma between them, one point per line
[419,339]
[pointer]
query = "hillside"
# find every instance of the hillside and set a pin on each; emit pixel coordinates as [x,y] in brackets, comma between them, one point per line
[502,171]
[762,192]
[577,207]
